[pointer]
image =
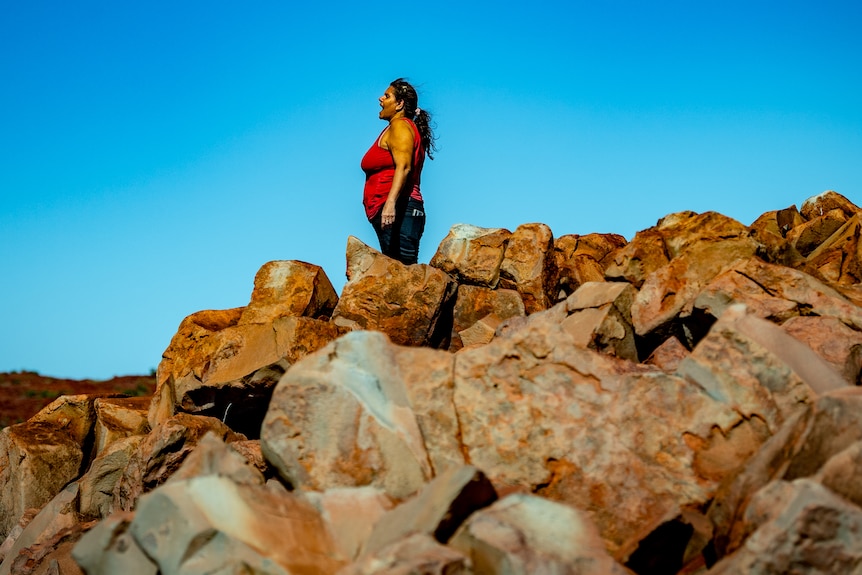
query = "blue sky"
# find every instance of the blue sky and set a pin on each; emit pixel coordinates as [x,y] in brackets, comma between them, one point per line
[153,155]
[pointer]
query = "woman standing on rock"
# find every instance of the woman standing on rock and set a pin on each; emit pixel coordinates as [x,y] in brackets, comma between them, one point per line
[393,168]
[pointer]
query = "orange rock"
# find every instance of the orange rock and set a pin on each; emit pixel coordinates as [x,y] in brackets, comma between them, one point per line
[529,266]
[472,255]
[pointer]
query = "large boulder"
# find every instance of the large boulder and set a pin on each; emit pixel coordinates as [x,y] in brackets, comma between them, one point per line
[529,266]
[407,303]
[474,303]
[527,535]
[472,255]
[210,524]
[363,411]
[583,258]
[629,443]
[214,351]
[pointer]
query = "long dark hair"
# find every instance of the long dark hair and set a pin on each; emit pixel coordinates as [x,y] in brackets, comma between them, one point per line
[406,93]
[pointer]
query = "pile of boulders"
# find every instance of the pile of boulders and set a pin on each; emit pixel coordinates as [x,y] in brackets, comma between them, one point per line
[684,402]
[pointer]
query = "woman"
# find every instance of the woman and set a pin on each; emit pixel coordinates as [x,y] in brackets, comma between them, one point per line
[393,167]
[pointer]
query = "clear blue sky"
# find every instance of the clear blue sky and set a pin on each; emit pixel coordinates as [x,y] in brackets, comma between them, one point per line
[153,155]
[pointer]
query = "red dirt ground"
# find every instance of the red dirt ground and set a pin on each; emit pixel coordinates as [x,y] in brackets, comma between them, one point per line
[24,393]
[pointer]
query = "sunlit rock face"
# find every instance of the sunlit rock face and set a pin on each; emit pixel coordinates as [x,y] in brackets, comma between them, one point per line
[684,402]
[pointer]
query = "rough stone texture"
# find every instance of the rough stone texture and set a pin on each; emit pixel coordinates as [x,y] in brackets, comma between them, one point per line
[808,236]
[161,453]
[350,514]
[776,293]
[72,414]
[416,554]
[437,510]
[289,288]
[771,229]
[210,524]
[404,302]
[580,259]
[529,266]
[36,460]
[57,516]
[473,303]
[472,255]
[837,259]
[212,456]
[841,473]
[832,340]
[799,449]
[357,412]
[600,318]
[829,200]
[666,291]
[638,259]
[100,480]
[685,230]
[668,355]
[799,527]
[109,549]
[118,418]
[540,414]
[529,535]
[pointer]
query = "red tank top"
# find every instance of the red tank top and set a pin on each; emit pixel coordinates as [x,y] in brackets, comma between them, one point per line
[379,168]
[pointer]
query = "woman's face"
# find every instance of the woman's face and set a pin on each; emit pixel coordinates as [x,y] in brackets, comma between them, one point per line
[388,105]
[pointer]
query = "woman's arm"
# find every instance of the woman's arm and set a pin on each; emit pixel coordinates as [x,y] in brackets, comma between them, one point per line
[399,142]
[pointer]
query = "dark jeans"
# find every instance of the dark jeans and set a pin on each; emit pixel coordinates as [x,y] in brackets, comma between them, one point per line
[401,240]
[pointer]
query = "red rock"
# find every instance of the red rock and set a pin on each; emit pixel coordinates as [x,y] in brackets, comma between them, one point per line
[289,288]
[832,340]
[404,302]
[829,200]
[472,303]
[529,267]
[837,259]
[638,259]
[472,255]
[807,236]
[668,355]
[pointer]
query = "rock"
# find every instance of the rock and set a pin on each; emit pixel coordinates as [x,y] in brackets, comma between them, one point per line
[350,514]
[600,318]
[472,255]
[109,549]
[72,414]
[289,289]
[437,510]
[37,459]
[832,340]
[801,448]
[529,267]
[356,413]
[542,415]
[818,205]
[776,293]
[417,553]
[770,231]
[56,517]
[638,259]
[481,332]
[786,376]
[837,259]
[579,259]
[474,303]
[667,291]
[528,535]
[212,456]
[807,236]
[118,418]
[161,453]
[668,355]
[404,302]
[236,368]
[799,527]
[98,483]
[209,524]
[683,231]
[840,473]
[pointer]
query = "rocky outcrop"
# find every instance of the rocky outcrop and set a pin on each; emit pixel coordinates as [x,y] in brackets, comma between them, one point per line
[685,402]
